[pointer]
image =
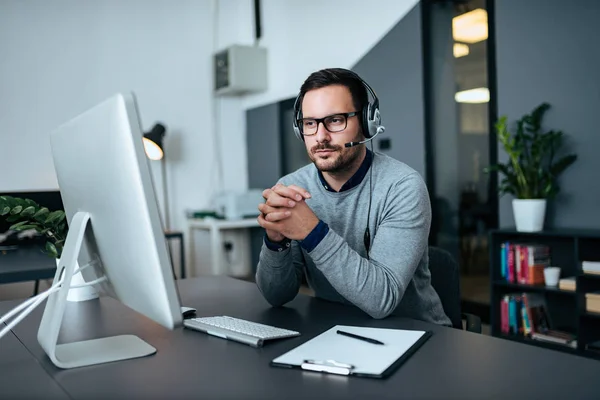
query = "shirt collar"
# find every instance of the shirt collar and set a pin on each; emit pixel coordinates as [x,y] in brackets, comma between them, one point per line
[355,179]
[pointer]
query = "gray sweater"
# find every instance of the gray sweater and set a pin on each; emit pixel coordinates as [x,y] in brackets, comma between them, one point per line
[395,279]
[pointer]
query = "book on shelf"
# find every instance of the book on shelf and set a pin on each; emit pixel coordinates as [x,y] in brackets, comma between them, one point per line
[592,302]
[557,337]
[524,263]
[568,283]
[591,267]
[525,315]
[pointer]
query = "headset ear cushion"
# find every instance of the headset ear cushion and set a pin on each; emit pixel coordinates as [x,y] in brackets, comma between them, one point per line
[297,132]
[297,116]
[366,124]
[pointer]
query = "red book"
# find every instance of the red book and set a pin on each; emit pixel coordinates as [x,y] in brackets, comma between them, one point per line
[504,326]
[525,263]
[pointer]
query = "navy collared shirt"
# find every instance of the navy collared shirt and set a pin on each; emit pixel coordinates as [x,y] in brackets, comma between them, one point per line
[318,233]
[355,179]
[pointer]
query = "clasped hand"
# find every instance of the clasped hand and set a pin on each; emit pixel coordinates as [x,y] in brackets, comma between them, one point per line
[285,214]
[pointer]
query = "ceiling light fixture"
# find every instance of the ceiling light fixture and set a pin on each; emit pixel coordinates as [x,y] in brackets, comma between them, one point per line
[460,50]
[470,27]
[477,95]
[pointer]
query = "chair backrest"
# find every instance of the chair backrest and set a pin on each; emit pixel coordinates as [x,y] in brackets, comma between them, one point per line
[445,279]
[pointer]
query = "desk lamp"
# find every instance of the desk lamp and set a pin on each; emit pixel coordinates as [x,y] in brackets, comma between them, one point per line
[154,147]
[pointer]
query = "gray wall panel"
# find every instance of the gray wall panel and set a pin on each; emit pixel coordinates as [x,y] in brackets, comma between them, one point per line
[547,50]
[394,68]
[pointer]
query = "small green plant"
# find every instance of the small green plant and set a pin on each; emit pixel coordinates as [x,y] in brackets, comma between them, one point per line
[532,168]
[27,214]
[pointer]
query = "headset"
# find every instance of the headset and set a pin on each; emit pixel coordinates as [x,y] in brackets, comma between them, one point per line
[370,119]
[370,116]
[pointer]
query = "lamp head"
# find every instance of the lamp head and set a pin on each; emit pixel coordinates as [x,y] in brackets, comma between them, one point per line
[153,142]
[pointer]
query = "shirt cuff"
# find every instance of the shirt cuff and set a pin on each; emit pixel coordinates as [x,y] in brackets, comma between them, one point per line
[315,236]
[277,246]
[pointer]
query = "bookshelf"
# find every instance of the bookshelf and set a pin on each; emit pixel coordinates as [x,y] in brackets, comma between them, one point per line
[566,309]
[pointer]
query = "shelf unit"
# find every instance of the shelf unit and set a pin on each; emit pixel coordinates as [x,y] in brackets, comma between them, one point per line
[568,248]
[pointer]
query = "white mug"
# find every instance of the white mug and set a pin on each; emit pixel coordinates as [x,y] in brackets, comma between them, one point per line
[551,275]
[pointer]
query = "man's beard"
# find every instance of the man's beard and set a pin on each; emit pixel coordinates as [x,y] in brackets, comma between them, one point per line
[340,160]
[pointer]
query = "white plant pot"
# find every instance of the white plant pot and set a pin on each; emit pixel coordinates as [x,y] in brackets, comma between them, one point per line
[79,294]
[529,214]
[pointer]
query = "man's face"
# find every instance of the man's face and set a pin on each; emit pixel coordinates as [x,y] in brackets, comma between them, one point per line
[326,149]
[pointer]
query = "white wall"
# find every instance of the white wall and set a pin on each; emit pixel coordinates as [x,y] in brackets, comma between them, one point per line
[235,25]
[60,57]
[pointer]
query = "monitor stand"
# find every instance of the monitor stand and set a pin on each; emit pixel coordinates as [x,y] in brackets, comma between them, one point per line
[87,352]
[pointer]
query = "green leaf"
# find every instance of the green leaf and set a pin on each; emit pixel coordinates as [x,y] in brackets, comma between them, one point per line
[16,210]
[31,203]
[41,214]
[54,217]
[18,224]
[504,188]
[5,210]
[23,227]
[28,212]
[50,248]
[21,202]
[62,229]
[13,218]
[562,164]
[10,201]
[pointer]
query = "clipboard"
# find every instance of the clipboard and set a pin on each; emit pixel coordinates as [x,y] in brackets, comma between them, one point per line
[342,354]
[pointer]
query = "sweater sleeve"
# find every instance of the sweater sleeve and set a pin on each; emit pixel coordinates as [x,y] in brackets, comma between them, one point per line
[377,285]
[279,273]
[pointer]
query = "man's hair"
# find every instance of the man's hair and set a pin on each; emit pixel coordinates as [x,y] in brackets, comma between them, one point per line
[336,76]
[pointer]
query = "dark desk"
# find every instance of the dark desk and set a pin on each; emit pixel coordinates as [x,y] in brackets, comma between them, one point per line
[22,376]
[189,364]
[27,263]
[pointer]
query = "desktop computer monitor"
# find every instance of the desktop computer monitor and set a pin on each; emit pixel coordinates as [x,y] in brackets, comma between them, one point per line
[114,224]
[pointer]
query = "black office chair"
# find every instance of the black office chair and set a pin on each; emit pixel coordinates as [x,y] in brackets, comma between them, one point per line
[445,279]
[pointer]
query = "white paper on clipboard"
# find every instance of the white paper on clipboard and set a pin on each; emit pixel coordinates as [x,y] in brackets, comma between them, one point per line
[335,353]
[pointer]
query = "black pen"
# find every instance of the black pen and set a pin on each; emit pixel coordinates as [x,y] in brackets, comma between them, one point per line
[352,335]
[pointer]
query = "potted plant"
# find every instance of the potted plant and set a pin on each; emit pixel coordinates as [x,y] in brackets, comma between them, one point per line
[533,167]
[52,226]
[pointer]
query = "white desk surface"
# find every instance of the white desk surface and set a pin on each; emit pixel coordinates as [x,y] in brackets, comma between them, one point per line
[208,223]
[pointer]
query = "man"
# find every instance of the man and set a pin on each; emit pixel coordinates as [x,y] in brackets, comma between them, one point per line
[354,222]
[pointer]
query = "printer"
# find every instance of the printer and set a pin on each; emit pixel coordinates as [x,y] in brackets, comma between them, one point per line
[238,205]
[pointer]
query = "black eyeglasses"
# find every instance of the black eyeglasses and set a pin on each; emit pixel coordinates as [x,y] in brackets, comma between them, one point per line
[333,123]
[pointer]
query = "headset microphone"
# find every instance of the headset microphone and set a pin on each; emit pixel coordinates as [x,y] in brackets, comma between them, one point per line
[380,129]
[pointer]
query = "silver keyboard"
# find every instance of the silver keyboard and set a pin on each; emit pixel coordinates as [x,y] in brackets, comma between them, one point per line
[241,330]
